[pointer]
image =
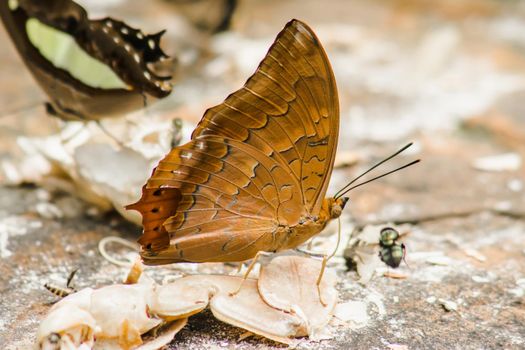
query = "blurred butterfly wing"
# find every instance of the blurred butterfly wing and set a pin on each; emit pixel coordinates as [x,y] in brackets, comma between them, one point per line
[280,129]
[103,68]
[289,109]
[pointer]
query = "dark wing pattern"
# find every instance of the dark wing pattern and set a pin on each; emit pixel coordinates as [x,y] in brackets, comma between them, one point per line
[259,160]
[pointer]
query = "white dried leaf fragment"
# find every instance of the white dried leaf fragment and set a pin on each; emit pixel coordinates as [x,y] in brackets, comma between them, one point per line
[289,283]
[122,310]
[165,336]
[498,163]
[353,312]
[81,299]
[68,327]
[120,178]
[247,310]
[183,297]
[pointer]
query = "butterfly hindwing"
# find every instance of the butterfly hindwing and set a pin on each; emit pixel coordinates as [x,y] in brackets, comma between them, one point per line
[216,192]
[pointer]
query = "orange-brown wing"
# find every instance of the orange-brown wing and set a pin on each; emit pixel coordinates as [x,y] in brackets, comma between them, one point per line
[214,199]
[260,159]
[289,109]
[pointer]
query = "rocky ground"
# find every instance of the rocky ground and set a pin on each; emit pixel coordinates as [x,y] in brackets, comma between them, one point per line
[448,75]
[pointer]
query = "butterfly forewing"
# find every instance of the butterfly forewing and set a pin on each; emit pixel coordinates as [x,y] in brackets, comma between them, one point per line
[260,160]
[288,109]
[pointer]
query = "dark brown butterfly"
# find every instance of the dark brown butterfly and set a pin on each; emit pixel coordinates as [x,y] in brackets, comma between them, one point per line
[89,69]
[255,173]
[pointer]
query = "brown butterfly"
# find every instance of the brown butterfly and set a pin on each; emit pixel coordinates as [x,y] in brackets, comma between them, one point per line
[255,173]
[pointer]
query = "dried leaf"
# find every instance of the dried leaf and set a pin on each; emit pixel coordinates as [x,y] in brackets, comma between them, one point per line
[191,294]
[111,306]
[288,283]
[165,335]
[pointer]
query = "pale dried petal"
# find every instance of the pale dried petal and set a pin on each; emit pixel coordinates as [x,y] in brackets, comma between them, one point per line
[497,163]
[112,306]
[247,310]
[289,283]
[81,299]
[191,294]
[121,177]
[107,344]
[354,312]
[70,322]
[183,297]
[165,336]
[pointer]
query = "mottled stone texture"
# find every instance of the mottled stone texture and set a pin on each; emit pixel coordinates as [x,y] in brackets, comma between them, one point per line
[449,75]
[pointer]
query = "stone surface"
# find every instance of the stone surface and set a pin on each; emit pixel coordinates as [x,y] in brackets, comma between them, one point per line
[448,75]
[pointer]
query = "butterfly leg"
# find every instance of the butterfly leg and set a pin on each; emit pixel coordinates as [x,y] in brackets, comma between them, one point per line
[325,260]
[248,270]
[320,278]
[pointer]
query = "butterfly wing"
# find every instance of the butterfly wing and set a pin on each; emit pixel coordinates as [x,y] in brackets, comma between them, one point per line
[105,71]
[213,199]
[259,161]
[288,108]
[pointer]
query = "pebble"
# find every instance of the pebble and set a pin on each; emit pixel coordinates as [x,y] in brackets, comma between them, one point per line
[352,311]
[43,195]
[503,206]
[48,210]
[397,347]
[498,163]
[93,212]
[439,260]
[515,185]
[431,300]
[480,279]
[448,305]
[473,253]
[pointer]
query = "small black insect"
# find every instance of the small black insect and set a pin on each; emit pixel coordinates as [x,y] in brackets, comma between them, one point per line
[390,251]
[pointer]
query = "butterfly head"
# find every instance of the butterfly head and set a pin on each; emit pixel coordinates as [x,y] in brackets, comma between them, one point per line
[336,206]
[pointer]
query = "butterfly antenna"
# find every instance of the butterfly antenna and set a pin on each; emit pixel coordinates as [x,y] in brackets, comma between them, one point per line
[377,177]
[337,195]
